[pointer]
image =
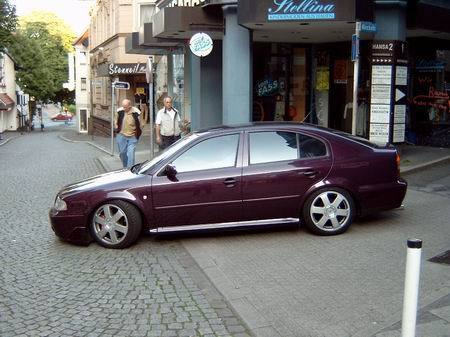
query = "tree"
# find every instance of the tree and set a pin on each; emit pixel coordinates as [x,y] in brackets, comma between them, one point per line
[55,27]
[41,52]
[8,22]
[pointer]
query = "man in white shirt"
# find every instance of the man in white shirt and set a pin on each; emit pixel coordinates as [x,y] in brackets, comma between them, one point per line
[168,129]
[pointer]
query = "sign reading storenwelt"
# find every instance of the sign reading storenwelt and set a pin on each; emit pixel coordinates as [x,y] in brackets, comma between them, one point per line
[301,10]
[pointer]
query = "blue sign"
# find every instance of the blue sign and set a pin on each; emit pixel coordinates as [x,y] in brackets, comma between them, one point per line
[368,27]
[355,47]
[301,10]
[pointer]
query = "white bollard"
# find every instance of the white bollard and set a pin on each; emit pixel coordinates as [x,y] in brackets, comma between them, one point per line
[411,295]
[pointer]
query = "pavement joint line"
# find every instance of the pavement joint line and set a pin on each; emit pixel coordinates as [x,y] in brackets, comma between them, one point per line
[87,142]
[415,168]
[8,140]
[397,316]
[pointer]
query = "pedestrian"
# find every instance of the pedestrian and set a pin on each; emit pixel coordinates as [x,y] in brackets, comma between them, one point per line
[168,125]
[128,128]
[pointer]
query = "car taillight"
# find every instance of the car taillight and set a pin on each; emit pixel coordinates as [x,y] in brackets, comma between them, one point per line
[397,161]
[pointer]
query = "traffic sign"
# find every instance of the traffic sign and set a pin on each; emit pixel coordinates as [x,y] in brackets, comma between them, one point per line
[121,85]
[355,47]
[367,27]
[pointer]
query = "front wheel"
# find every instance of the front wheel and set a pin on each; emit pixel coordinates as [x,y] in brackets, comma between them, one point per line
[329,211]
[116,224]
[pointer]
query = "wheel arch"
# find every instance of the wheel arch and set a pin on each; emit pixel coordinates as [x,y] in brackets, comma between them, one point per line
[341,184]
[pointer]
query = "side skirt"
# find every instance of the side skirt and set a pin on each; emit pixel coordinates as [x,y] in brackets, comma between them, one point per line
[240,224]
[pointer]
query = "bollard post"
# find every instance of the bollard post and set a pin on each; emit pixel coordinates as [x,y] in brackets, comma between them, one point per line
[411,294]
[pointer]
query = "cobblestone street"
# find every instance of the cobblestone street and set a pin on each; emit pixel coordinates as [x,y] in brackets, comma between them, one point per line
[51,288]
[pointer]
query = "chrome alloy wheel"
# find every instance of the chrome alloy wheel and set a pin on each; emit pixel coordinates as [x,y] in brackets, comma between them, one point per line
[110,224]
[330,211]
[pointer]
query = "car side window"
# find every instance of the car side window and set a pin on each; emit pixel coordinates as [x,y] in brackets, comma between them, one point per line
[212,153]
[310,147]
[272,146]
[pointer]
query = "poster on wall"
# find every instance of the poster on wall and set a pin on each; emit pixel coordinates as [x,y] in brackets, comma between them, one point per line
[401,75]
[379,113]
[379,133]
[382,75]
[399,133]
[400,114]
[381,94]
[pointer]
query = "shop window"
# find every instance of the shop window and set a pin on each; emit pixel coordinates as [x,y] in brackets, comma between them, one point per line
[266,147]
[430,103]
[83,84]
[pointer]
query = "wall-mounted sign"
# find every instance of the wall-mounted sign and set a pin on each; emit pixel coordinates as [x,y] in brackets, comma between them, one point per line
[301,10]
[184,3]
[201,44]
[121,85]
[113,69]
[367,27]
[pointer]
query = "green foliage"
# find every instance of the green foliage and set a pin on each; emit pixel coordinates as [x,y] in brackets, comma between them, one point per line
[8,22]
[71,108]
[42,57]
[55,27]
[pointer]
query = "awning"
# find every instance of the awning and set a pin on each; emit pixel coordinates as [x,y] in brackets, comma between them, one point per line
[183,22]
[6,102]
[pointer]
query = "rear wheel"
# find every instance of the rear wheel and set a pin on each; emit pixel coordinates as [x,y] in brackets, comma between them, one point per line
[329,211]
[116,224]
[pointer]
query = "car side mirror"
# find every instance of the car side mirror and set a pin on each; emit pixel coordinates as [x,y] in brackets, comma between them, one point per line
[170,171]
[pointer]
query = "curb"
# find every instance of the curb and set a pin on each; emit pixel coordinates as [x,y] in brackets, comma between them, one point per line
[415,168]
[84,141]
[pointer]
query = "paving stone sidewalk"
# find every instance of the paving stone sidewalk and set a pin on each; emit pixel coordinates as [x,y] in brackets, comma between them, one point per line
[52,288]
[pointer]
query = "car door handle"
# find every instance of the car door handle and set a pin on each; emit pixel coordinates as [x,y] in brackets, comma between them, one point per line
[229,182]
[310,174]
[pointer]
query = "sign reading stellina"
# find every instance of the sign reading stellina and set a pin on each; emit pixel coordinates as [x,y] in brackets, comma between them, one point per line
[301,10]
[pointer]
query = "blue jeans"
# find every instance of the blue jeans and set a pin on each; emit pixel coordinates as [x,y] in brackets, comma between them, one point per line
[127,147]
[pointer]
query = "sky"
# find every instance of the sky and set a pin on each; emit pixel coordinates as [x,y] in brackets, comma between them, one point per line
[74,12]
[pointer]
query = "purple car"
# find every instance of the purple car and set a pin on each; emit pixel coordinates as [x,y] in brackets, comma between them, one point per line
[228,177]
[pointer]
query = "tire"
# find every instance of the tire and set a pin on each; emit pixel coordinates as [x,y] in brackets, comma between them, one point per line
[116,224]
[329,211]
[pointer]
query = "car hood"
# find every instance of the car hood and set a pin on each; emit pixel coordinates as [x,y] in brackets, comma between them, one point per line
[98,182]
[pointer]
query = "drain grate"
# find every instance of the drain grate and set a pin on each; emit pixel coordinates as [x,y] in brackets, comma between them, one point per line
[442,258]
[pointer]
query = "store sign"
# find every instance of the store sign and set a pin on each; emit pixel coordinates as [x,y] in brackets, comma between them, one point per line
[301,10]
[201,44]
[126,68]
[185,3]
[267,87]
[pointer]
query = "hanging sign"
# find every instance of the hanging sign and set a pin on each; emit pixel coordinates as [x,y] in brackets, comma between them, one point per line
[201,44]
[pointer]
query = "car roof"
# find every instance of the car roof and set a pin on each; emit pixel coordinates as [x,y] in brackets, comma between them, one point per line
[258,126]
[299,126]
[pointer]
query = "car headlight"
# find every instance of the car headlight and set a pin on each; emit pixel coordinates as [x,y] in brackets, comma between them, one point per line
[60,205]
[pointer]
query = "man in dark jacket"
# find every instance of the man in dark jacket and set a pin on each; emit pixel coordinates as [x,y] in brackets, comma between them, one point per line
[128,129]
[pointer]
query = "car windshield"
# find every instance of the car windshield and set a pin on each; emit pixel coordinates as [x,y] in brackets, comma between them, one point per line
[167,152]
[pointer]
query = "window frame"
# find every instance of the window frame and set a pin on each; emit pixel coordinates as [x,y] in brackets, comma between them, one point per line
[237,161]
[297,135]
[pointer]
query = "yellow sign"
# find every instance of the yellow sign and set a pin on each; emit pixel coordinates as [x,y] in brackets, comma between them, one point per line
[322,79]
[140,91]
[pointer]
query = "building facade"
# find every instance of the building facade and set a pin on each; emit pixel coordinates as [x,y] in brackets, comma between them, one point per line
[292,60]
[111,22]
[82,81]
[9,120]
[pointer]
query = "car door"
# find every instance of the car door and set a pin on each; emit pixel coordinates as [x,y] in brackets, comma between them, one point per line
[279,168]
[207,186]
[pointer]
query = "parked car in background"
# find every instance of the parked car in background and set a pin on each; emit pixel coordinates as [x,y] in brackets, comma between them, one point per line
[228,177]
[62,117]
